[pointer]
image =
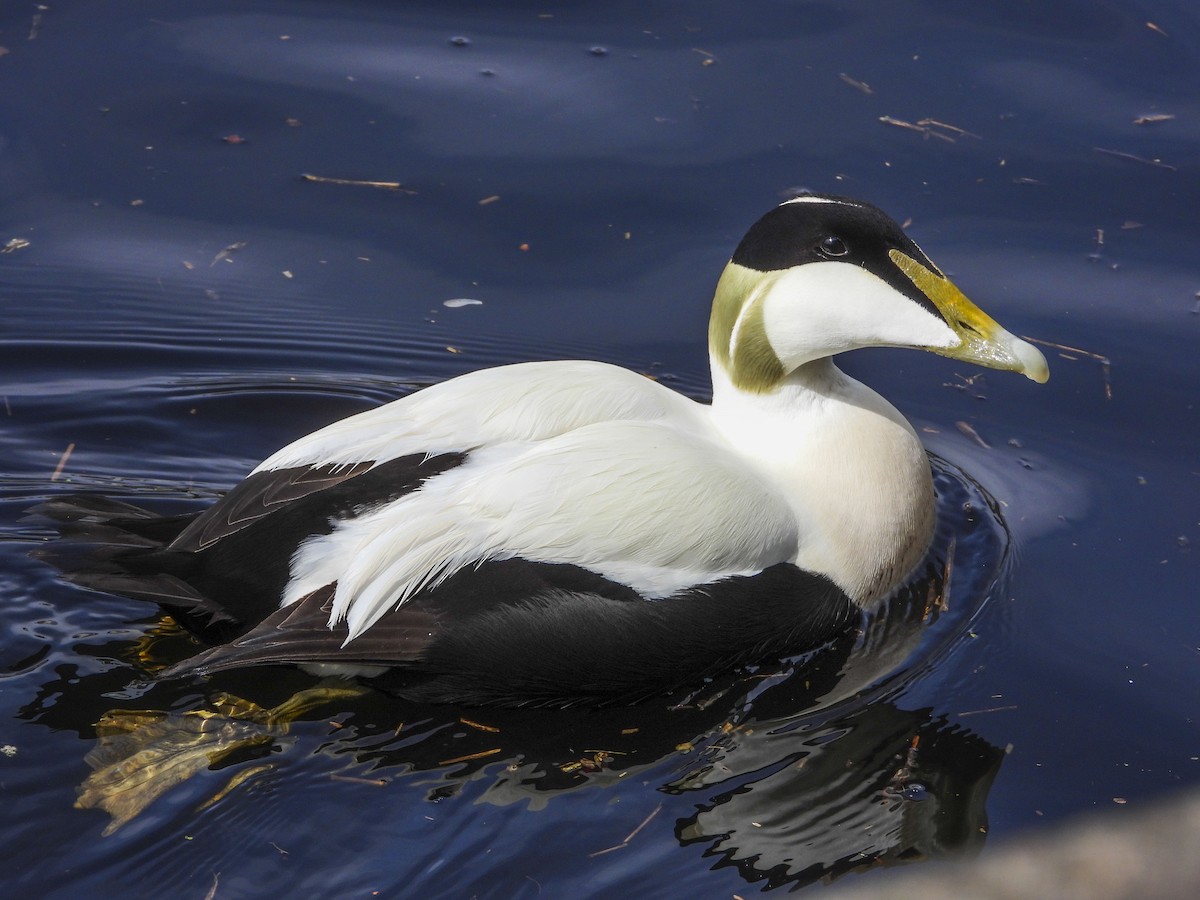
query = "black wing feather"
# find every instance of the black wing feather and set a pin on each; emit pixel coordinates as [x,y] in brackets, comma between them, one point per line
[300,633]
[260,495]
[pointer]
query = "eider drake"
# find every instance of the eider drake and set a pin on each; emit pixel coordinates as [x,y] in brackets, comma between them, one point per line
[567,532]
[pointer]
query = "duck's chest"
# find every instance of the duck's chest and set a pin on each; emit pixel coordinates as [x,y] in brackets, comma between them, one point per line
[857,478]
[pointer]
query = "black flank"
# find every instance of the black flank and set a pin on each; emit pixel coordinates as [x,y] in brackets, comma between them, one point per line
[518,633]
[562,647]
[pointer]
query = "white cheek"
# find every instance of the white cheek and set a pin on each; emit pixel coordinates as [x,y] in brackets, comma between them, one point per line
[823,308]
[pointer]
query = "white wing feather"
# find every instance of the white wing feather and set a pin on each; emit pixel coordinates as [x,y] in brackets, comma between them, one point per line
[521,402]
[647,504]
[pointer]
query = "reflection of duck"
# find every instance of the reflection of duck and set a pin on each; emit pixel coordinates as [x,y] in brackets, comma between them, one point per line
[880,786]
[564,531]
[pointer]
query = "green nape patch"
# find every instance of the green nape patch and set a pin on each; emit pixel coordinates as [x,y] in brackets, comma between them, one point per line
[751,361]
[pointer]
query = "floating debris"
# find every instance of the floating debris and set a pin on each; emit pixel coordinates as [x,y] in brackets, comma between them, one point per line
[459,302]
[900,123]
[947,575]
[990,709]
[590,763]
[14,244]
[969,431]
[968,384]
[629,837]
[930,128]
[482,754]
[459,41]
[939,600]
[1153,119]
[227,253]
[855,83]
[356,182]
[945,126]
[62,461]
[1121,154]
[479,725]
[1105,362]
[356,779]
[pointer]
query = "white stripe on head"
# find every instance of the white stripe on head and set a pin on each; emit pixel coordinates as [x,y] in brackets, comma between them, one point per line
[813,198]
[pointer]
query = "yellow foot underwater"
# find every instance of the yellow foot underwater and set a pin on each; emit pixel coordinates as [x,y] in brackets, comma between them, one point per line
[141,754]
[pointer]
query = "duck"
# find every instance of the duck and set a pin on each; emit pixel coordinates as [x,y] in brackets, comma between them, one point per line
[572,532]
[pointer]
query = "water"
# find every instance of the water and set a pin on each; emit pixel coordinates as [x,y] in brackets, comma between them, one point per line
[1064,680]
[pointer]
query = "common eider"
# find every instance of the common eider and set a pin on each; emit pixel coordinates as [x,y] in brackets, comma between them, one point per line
[573,532]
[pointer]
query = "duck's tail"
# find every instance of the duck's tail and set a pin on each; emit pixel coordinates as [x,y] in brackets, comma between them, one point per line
[118,548]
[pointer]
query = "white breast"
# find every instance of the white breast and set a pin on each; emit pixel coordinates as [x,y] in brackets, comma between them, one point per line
[853,469]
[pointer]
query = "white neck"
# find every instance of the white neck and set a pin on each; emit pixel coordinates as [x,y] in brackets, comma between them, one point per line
[852,468]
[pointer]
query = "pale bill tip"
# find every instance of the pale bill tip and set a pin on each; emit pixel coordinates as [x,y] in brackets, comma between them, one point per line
[1033,362]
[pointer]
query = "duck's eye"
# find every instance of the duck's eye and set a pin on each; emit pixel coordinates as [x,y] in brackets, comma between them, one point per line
[833,246]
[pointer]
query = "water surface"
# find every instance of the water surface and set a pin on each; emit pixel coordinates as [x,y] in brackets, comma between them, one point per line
[186,303]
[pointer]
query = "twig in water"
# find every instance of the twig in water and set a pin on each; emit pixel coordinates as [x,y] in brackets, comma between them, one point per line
[470,756]
[383,185]
[1121,154]
[62,461]
[629,837]
[965,428]
[1105,362]
[855,83]
[991,709]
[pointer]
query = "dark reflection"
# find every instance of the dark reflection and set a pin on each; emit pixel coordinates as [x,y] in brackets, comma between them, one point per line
[879,786]
[796,771]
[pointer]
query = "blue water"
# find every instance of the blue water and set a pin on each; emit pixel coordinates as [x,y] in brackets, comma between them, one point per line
[629,147]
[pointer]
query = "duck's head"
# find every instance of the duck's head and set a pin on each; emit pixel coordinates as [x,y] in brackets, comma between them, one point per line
[822,274]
